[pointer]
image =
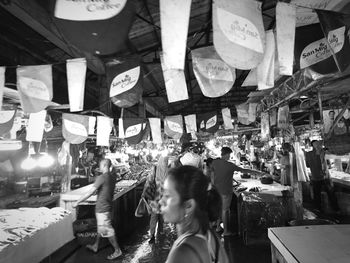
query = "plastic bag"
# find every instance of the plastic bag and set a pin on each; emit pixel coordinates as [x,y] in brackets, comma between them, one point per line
[143,208]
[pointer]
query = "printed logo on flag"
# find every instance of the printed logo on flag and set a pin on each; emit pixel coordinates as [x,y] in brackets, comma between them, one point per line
[211,122]
[88,10]
[124,82]
[75,128]
[174,126]
[6,116]
[214,69]
[239,30]
[34,88]
[133,130]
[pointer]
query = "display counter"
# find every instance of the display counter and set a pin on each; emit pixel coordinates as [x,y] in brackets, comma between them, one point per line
[32,234]
[340,178]
[309,244]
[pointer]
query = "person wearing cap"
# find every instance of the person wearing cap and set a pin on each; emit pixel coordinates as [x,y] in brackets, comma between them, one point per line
[223,173]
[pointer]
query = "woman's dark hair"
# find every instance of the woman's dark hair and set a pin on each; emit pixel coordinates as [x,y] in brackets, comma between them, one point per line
[191,183]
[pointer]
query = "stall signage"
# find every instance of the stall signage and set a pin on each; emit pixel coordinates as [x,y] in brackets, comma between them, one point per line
[6,116]
[211,122]
[214,69]
[88,10]
[75,128]
[124,82]
[34,88]
[240,30]
[174,126]
[133,130]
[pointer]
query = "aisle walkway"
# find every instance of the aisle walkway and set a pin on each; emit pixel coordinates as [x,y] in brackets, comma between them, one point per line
[137,249]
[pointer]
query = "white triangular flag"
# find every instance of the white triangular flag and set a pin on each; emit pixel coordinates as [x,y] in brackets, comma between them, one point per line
[155,130]
[104,128]
[92,123]
[265,70]
[191,124]
[35,129]
[76,73]
[226,116]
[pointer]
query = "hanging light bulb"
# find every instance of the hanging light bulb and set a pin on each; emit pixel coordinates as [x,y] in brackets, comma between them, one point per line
[28,164]
[45,160]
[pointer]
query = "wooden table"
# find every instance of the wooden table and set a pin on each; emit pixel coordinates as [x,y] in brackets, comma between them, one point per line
[310,244]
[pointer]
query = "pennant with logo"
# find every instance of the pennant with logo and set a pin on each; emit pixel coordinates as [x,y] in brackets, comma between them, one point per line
[35,128]
[2,84]
[75,128]
[208,122]
[92,124]
[285,28]
[191,123]
[6,121]
[283,117]
[214,76]
[174,20]
[265,126]
[312,50]
[135,130]
[265,70]
[34,84]
[226,116]
[273,117]
[243,113]
[239,33]
[76,73]
[92,25]
[125,80]
[104,128]
[336,28]
[155,130]
[173,126]
[175,83]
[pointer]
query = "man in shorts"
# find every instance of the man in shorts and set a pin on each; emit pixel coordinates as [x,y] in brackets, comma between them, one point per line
[104,186]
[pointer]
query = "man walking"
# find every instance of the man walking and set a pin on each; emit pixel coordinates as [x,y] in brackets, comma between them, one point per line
[104,185]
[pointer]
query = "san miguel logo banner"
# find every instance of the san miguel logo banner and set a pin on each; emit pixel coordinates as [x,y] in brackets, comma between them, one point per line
[239,33]
[34,84]
[336,28]
[134,130]
[6,121]
[208,122]
[75,128]
[214,76]
[125,80]
[173,126]
[98,27]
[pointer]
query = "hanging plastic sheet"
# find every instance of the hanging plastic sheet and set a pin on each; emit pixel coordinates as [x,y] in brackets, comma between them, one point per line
[208,122]
[226,116]
[92,25]
[174,20]
[134,130]
[173,126]
[252,112]
[265,126]
[35,128]
[175,83]
[285,31]
[125,80]
[104,128]
[265,70]
[75,128]
[336,28]
[155,130]
[214,76]
[273,117]
[92,124]
[243,113]
[191,123]
[34,84]
[239,34]
[2,84]
[6,121]
[302,173]
[76,73]
[283,117]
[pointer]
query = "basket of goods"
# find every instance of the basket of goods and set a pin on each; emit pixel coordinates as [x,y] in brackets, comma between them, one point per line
[266,179]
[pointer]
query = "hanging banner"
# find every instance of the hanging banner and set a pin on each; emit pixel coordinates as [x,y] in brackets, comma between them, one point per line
[328,118]
[226,116]
[135,130]
[238,32]
[285,31]
[174,20]
[265,126]
[92,124]
[76,73]
[265,70]
[121,128]
[336,29]
[208,122]
[252,112]
[155,130]
[92,25]
[125,81]
[173,126]
[214,76]
[283,117]
[243,113]
[6,121]
[35,128]
[75,128]
[2,84]
[273,117]
[34,84]
[104,128]
[191,123]
[175,83]
[312,50]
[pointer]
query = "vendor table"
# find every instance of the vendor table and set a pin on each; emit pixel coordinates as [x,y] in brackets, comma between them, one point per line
[310,244]
[341,179]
